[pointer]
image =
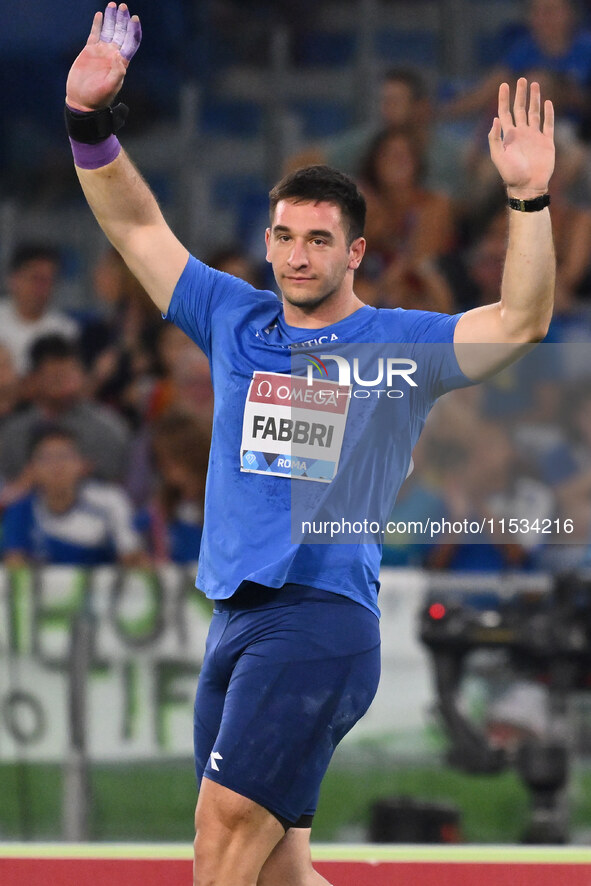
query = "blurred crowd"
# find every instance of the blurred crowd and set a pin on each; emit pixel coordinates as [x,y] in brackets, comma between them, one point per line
[105,414]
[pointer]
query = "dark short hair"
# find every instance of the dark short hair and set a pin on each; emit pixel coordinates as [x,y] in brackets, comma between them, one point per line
[323,183]
[33,251]
[49,431]
[52,347]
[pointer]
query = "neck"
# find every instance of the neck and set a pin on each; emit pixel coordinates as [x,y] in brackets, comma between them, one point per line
[399,194]
[324,314]
[59,501]
[29,315]
[52,411]
[554,44]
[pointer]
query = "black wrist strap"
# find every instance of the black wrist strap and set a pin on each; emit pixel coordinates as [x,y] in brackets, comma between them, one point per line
[92,127]
[533,205]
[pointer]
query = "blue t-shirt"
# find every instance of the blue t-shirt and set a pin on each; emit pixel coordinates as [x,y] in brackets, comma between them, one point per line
[526,55]
[95,531]
[248,526]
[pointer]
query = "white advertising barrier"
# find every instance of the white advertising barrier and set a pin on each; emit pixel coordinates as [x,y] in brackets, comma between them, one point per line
[146,634]
[145,637]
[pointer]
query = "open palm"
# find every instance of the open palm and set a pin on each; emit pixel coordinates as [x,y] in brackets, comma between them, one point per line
[524,153]
[97,74]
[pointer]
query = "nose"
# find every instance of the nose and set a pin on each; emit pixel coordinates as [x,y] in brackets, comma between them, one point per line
[298,257]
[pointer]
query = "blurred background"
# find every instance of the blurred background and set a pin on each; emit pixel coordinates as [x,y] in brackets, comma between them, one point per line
[481,729]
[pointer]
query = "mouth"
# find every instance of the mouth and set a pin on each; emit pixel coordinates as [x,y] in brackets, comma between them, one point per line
[300,279]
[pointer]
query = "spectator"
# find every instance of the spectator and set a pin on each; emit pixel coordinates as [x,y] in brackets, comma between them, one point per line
[172,523]
[67,519]
[410,285]
[232,260]
[185,385]
[567,464]
[9,400]
[185,377]
[419,499]
[555,42]
[491,484]
[58,395]
[475,274]
[118,345]
[404,103]
[9,384]
[25,311]
[406,223]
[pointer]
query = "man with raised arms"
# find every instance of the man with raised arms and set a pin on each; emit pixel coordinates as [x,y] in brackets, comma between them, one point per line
[292,657]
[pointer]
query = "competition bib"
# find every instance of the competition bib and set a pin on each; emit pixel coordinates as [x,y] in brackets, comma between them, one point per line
[293,426]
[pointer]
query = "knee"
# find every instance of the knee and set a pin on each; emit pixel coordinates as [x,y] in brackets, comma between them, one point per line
[233,837]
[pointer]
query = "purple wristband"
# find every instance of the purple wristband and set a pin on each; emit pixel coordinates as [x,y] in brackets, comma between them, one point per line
[95,156]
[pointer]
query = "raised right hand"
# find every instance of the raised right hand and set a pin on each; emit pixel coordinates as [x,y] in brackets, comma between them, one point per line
[97,75]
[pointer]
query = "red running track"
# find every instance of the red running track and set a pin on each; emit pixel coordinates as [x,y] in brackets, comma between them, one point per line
[175,872]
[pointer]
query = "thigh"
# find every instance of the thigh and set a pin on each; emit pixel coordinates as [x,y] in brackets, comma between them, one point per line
[295,691]
[212,685]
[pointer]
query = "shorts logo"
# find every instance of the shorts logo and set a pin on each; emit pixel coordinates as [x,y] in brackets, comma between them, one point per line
[213,757]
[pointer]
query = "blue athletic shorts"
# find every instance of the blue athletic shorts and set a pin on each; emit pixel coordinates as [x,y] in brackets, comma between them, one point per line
[287,673]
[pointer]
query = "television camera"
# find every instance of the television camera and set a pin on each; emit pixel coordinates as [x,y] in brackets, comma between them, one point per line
[543,626]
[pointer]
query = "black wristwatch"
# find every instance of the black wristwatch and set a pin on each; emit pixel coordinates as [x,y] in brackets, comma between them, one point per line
[533,205]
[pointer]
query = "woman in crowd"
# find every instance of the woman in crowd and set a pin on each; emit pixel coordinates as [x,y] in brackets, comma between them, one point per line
[407,226]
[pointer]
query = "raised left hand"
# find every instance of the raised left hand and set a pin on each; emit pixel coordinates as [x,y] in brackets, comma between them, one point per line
[98,72]
[521,147]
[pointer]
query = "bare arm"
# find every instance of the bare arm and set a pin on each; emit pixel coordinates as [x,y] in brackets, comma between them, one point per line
[525,160]
[475,100]
[127,211]
[120,199]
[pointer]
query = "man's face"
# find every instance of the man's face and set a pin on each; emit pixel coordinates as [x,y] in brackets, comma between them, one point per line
[57,466]
[396,164]
[551,19]
[396,103]
[59,382]
[32,285]
[307,246]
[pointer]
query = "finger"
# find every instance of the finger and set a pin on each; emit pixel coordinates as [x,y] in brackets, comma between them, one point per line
[495,142]
[495,132]
[133,38]
[533,116]
[121,25]
[548,118]
[504,112]
[519,105]
[109,20]
[95,31]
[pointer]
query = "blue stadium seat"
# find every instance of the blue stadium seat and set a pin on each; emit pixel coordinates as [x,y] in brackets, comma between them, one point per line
[233,117]
[232,191]
[327,48]
[408,47]
[490,48]
[322,118]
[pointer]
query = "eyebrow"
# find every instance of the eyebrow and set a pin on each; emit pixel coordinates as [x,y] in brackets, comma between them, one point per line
[315,232]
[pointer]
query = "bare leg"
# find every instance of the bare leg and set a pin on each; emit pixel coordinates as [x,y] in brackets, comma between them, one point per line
[234,837]
[290,862]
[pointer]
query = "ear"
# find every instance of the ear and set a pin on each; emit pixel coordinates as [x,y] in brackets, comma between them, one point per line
[356,253]
[267,241]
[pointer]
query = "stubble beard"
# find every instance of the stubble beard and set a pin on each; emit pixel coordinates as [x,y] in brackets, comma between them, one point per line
[308,302]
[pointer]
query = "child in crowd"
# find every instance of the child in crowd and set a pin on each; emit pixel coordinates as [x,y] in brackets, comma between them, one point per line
[68,519]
